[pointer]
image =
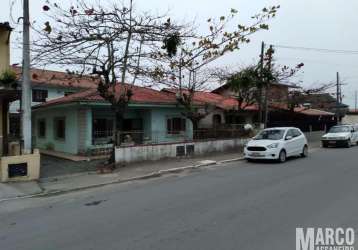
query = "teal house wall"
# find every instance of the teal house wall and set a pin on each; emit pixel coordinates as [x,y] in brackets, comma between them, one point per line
[159,126]
[70,143]
[79,125]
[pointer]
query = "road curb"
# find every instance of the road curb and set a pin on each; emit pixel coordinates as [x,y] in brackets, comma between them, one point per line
[231,160]
[143,177]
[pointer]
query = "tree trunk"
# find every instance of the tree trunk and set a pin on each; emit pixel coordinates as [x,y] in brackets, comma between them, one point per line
[117,134]
[195,123]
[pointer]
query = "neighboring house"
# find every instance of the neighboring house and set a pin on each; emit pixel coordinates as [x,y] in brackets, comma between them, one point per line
[47,85]
[307,119]
[5,33]
[351,117]
[278,92]
[222,110]
[7,94]
[82,123]
[324,101]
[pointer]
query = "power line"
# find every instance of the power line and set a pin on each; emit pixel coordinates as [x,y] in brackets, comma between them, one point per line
[336,51]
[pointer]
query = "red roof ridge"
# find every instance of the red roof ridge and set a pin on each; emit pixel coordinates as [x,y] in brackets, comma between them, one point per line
[141,94]
[59,78]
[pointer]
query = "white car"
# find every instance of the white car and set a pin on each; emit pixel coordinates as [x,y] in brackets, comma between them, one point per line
[277,144]
[343,135]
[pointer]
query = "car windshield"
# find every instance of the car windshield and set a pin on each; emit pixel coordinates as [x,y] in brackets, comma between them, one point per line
[272,134]
[340,129]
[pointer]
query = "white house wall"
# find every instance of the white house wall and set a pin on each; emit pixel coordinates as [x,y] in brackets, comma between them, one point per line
[53,93]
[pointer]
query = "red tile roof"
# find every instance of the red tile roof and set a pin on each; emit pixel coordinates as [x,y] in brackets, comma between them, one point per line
[40,77]
[220,101]
[141,95]
[312,112]
[285,85]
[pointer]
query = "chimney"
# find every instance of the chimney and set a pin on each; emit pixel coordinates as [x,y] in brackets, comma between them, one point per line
[5,31]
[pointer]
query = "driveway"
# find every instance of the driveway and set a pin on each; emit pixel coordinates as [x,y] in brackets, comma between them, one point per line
[52,166]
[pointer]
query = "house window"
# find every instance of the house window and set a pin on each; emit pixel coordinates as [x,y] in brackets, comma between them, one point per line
[176,125]
[41,128]
[69,93]
[60,128]
[102,128]
[39,95]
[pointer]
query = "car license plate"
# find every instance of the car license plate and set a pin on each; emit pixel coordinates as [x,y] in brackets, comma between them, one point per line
[332,142]
[256,154]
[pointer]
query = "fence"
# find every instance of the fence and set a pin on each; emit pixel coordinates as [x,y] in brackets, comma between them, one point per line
[214,137]
[138,137]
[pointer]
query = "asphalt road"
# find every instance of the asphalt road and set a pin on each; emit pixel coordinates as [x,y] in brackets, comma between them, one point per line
[237,206]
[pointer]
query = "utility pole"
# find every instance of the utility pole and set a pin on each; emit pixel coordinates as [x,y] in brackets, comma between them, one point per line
[267,88]
[262,80]
[338,94]
[26,82]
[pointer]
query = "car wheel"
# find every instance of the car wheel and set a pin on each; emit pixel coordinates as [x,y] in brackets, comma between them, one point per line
[324,145]
[282,156]
[349,144]
[304,151]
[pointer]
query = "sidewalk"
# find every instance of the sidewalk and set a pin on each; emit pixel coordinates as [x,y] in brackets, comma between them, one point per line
[130,172]
[55,184]
[19,189]
[52,184]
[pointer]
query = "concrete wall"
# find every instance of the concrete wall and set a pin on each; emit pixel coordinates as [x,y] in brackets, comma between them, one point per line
[4,50]
[211,146]
[1,128]
[157,152]
[314,136]
[84,129]
[33,167]
[350,119]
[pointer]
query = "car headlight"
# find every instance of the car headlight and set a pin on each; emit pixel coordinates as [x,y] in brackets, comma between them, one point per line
[273,145]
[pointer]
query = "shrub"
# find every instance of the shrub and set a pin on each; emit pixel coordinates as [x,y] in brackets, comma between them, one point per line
[8,79]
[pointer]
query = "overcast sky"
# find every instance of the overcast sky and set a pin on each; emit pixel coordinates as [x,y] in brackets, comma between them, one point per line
[323,24]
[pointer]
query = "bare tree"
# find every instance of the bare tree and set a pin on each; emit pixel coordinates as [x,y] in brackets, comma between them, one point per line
[112,42]
[187,66]
[298,97]
[247,82]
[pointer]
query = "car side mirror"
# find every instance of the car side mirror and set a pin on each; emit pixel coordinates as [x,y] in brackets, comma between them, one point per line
[352,131]
[289,137]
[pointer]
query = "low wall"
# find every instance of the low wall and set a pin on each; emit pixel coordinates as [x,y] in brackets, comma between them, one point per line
[161,151]
[314,136]
[31,161]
